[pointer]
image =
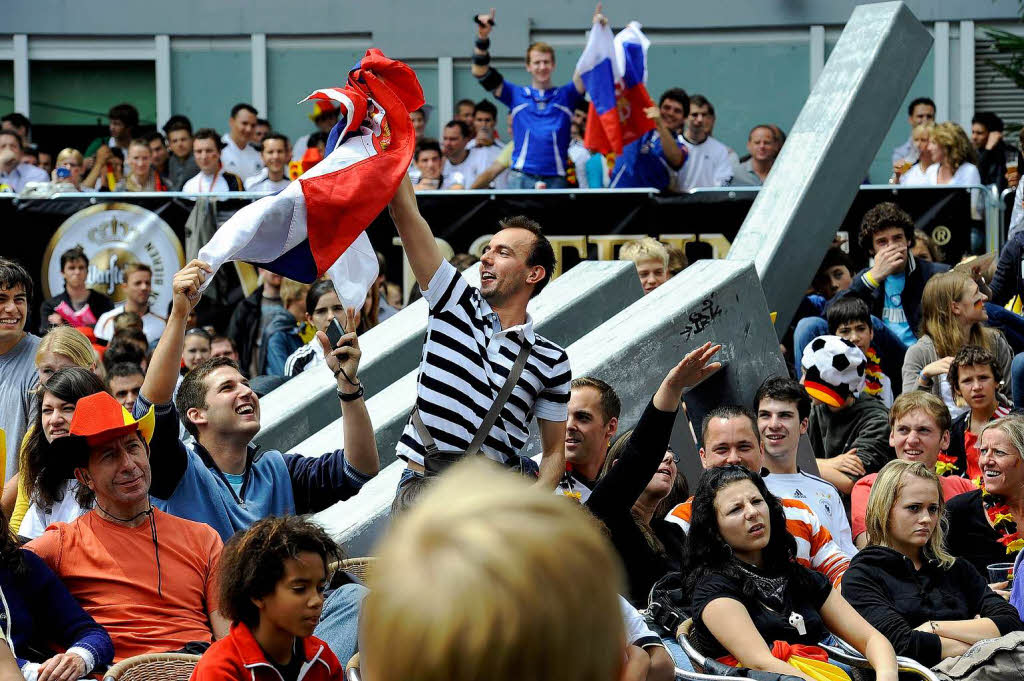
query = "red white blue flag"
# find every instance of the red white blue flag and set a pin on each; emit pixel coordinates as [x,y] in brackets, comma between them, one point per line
[316,225]
[614,72]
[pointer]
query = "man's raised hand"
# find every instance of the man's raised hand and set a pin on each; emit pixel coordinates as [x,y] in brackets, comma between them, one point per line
[343,359]
[187,282]
[484,24]
[599,17]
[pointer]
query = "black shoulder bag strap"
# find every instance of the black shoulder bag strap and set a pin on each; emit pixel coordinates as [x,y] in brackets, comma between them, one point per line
[432,452]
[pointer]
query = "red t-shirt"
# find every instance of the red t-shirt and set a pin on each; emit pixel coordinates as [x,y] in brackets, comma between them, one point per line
[111,570]
[951,486]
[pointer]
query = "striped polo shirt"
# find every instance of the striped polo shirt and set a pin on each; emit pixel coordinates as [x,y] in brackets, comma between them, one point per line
[466,358]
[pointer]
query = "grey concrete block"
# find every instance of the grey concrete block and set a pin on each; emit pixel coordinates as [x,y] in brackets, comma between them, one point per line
[829,150]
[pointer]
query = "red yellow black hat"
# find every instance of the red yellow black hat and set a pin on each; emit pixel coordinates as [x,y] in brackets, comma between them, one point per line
[322,106]
[99,418]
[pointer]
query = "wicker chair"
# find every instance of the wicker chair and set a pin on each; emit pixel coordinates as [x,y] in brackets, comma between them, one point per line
[154,667]
[360,567]
[843,653]
[352,668]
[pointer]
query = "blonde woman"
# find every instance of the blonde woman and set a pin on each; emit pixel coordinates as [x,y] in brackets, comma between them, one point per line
[930,605]
[952,316]
[915,175]
[68,169]
[486,577]
[952,157]
[62,347]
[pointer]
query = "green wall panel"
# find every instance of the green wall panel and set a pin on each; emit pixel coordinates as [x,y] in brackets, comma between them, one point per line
[293,74]
[6,86]
[79,93]
[205,84]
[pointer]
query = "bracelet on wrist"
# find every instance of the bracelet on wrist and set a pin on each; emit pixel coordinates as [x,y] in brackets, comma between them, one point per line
[349,397]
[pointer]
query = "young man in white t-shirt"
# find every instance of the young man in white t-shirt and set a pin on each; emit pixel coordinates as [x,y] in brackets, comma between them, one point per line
[138,285]
[238,156]
[457,158]
[206,147]
[783,407]
[273,177]
[707,161]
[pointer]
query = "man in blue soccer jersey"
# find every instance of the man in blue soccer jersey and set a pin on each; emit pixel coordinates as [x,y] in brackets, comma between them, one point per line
[541,114]
[655,159]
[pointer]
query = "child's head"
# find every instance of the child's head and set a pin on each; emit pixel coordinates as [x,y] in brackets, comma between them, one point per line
[850,318]
[833,371]
[277,569]
[197,347]
[975,376]
[651,260]
[835,273]
[127,320]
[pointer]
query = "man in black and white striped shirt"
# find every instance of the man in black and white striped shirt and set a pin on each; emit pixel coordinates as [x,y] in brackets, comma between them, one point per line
[473,338]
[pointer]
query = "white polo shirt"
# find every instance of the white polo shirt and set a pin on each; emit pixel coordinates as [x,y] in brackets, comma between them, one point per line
[152,324]
[707,165]
[244,162]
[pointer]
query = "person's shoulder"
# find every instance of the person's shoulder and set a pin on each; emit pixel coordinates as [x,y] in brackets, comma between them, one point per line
[191,184]
[960,421]
[866,482]
[955,486]
[314,646]
[222,660]
[964,502]
[821,482]
[550,347]
[187,531]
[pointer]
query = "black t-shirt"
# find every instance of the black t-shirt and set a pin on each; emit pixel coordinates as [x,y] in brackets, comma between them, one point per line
[777,599]
[290,671]
[970,536]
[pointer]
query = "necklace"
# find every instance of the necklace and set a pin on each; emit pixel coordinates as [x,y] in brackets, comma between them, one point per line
[998,514]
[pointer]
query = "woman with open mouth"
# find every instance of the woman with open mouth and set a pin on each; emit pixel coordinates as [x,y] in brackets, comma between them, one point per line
[753,604]
[930,604]
[982,525]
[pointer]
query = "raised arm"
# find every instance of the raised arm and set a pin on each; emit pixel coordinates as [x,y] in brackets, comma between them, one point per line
[360,443]
[488,77]
[619,489]
[162,373]
[420,246]
[599,18]
[669,145]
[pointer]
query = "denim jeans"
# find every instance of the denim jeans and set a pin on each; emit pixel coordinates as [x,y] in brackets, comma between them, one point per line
[517,179]
[890,348]
[1017,381]
[339,621]
[678,654]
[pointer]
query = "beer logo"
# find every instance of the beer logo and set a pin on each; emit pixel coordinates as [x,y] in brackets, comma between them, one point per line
[941,235]
[113,235]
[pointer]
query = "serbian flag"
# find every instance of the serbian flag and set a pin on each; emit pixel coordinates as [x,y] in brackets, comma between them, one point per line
[317,224]
[614,72]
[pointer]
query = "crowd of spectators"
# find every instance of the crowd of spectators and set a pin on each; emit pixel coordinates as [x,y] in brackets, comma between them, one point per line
[138,516]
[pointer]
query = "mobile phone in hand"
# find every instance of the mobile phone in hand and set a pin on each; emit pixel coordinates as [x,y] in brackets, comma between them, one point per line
[334,333]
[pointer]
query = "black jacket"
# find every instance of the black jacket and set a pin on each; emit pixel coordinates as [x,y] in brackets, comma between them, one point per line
[992,165]
[918,274]
[612,503]
[894,598]
[969,535]
[244,327]
[97,302]
[1008,281]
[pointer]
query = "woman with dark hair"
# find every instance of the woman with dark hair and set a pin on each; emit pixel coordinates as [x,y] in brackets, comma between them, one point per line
[640,483]
[37,612]
[52,496]
[322,307]
[752,602]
